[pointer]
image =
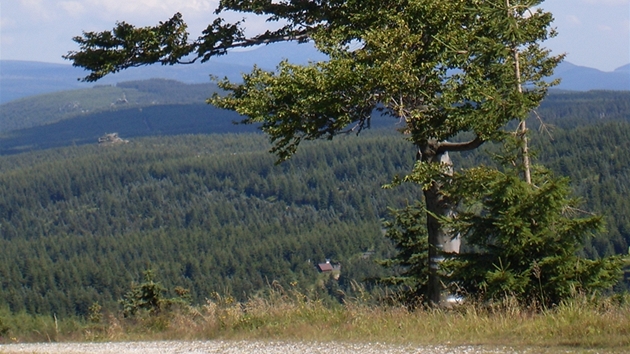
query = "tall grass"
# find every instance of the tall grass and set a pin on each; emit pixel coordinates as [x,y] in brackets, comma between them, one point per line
[584,322]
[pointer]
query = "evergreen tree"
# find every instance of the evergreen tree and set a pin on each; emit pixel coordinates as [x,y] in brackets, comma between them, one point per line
[523,238]
[411,262]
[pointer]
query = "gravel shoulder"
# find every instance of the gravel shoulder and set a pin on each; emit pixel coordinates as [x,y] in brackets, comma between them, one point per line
[269,347]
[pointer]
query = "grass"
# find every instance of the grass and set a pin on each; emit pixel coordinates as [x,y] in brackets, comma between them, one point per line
[581,323]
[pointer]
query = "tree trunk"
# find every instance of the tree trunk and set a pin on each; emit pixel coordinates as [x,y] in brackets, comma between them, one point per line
[527,175]
[441,240]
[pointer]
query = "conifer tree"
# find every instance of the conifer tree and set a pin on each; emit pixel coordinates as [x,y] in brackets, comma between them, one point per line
[523,238]
[411,262]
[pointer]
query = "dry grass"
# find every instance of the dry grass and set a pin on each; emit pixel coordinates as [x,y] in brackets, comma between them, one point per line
[580,323]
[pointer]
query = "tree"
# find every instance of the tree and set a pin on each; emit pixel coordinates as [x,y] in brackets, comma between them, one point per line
[523,238]
[442,68]
[148,296]
[410,264]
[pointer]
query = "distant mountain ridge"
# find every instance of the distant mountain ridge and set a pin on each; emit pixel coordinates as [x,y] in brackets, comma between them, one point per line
[581,78]
[166,107]
[52,107]
[20,79]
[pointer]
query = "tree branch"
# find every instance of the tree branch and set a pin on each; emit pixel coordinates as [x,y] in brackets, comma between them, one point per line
[465,146]
[268,40]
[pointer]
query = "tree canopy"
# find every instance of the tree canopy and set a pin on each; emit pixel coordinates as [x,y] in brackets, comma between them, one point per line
[441,67]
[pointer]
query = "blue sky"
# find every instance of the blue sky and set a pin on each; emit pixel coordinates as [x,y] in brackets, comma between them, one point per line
[593,33]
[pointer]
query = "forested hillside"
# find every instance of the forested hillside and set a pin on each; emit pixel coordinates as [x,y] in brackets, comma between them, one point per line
[569,109]
[213,213]
[54,107]
[596,159]
[159,120]
[209,213]
[132,109]
[593,157]
[166,107]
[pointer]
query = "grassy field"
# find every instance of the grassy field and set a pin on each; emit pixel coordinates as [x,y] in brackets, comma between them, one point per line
[584,323]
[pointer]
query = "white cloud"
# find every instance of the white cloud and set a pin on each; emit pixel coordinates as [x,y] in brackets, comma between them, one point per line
[6,40]
[133,11]
[142,7]
[73,8]
[604,28]
[6,22]
[36,9]
[607,2]
[573,20]
[29,26]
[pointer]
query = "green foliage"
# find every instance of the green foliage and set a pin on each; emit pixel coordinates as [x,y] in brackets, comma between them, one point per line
[411,262]
[4,328]
[442,68]
[95,314]
[568,110]
[593,157]
[523,239]
[589,152]
[147,296]
[401,69]
[165,43]
[212,213]
[84,220]
[65,254]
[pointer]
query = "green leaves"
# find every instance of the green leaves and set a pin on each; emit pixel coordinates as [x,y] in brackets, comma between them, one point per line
[441,68]
[127,46]
[147,296]
[302,102]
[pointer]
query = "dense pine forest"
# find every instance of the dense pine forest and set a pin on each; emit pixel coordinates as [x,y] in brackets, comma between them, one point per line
[208,213]
[213,213]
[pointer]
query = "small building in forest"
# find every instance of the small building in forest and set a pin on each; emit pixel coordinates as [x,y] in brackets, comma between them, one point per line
[111,139]
[333,268]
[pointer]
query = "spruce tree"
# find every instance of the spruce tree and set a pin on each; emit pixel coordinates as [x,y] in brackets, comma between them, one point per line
[523,239]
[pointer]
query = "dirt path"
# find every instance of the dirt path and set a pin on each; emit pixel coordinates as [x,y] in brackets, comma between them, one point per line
[271,347]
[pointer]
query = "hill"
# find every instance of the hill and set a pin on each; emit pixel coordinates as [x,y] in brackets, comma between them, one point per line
[23,79]
[54,107]
[158,120]
[580,78]
[167,107]
[213,213]
[210,213]
[132,109]
[568,109]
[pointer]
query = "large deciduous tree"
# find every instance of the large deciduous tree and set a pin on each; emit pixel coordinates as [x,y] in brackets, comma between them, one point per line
[443,69]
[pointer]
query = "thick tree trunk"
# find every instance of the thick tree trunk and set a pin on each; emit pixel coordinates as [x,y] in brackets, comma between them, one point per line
[441,240]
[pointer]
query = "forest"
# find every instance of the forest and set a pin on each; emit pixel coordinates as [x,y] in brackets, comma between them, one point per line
[214,213]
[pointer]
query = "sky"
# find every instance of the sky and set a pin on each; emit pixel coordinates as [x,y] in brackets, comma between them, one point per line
[593,33]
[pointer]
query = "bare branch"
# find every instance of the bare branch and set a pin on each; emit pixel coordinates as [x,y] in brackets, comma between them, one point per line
[543,127]
[465,146]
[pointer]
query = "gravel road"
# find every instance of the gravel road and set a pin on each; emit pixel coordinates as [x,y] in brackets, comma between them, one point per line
[269,347]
